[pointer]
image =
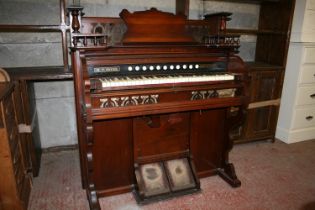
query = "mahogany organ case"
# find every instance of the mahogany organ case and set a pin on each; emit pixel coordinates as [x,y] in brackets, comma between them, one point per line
[157,104]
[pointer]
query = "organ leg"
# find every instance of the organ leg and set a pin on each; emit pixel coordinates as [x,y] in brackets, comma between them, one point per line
[235,118]
[93,198]
[90,190]
[89,132]
[228,174]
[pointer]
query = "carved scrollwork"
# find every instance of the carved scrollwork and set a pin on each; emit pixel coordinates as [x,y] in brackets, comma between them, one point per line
[124,101]
[129,101]
[212,94]
[196,95]
[149,99]
[109,102]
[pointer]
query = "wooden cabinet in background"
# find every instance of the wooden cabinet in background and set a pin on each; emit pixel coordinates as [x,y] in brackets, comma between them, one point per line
[24,96]
[15,182]
[267,71]
[262,113]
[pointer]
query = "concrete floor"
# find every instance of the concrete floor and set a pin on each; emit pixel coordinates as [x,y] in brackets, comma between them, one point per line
[275,176]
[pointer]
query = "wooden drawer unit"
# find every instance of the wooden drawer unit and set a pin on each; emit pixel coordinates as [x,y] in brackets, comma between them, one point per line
[15,183]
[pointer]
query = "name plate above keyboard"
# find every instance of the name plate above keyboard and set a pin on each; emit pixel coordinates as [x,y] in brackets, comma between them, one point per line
[159,68]
[106,69]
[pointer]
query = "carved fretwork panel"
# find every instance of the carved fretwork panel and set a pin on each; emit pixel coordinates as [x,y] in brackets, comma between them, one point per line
[113,28]
[128,100]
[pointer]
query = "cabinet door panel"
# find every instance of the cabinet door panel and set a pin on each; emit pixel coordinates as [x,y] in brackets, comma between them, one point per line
[261,122]
[264,86]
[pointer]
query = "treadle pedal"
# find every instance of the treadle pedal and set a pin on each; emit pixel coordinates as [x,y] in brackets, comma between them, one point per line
[165,179]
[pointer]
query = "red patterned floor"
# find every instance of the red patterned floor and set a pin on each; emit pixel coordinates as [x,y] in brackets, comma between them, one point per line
[274,177]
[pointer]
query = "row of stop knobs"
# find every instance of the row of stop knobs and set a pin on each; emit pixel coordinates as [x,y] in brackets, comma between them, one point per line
[164,67]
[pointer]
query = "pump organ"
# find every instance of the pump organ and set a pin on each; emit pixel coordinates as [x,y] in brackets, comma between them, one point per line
[156,95]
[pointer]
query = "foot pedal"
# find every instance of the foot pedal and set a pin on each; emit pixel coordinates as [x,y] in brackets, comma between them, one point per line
[165,179]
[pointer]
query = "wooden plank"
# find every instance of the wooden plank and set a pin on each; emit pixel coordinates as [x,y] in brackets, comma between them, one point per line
[275,102]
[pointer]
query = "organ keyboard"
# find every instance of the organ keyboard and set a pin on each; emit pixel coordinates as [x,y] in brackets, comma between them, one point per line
[155,101]
[161,79]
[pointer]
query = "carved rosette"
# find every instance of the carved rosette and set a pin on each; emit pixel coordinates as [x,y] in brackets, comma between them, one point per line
[207,94]
[124,101]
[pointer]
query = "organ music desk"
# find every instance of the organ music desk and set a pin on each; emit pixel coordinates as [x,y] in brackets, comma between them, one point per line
[156,103]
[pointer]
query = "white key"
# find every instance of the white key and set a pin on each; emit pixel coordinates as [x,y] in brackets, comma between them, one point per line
[104,82]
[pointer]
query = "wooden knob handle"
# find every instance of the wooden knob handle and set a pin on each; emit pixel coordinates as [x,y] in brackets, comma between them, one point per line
[309,118]
[313,95]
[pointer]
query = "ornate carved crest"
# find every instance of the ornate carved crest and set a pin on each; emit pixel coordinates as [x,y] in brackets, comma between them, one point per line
[154,26]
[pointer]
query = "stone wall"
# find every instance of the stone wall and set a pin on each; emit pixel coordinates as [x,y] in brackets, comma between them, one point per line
[55,100]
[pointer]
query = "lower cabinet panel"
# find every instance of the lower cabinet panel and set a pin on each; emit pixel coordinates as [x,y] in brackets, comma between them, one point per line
[120,143]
